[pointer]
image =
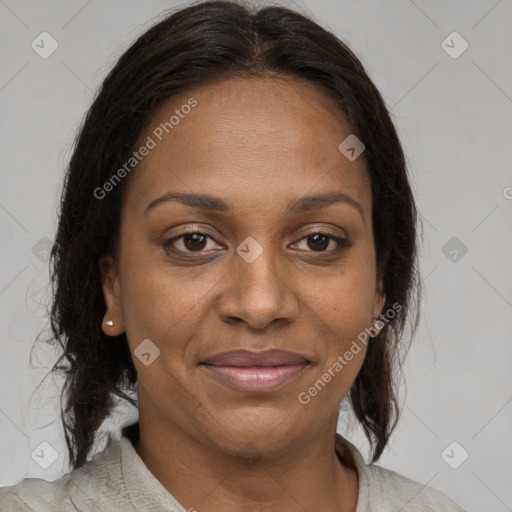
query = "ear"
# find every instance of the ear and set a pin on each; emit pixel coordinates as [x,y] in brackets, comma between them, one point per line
[112,296]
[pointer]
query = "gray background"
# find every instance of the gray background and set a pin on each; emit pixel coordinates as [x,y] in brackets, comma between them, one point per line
[454,117]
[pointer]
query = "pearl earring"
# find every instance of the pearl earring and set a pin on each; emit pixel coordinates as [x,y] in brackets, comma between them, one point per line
[110,323]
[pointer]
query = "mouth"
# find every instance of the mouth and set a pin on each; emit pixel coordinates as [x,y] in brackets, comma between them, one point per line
[255,371]
[255,378]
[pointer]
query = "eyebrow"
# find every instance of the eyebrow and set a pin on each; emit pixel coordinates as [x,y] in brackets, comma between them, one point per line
[211,203]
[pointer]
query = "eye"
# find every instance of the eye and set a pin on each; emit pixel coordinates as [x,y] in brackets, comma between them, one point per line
[193,241]
[319,242]
[197,241]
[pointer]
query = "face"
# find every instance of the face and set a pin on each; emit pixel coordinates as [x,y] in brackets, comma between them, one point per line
[257,274]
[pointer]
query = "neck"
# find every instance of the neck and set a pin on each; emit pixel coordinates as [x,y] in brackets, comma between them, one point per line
[202,477]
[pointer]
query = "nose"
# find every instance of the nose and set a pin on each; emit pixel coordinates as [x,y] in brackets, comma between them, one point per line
[257,293]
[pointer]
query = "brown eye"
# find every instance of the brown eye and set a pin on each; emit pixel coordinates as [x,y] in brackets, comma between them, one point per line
[188,242]
[194,241]
[319,242]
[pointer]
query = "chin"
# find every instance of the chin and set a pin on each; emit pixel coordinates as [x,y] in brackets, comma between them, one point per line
[248,436]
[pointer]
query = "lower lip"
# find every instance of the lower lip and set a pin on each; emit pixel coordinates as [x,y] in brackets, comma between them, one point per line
[255,379]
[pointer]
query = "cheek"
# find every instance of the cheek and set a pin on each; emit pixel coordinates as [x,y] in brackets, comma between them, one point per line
[168,308]
[344,308]
[343,312]
[345,301]
[156,299]
[155,309]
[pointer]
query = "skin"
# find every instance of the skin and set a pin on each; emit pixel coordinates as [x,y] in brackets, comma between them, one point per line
[257,144]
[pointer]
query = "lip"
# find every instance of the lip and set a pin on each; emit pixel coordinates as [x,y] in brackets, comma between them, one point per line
[255,371]
[255,378]
[247,358]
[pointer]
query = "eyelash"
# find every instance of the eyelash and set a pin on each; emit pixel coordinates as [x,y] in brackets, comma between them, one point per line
[341,243]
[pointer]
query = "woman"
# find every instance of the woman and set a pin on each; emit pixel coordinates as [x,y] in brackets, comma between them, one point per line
[237,243]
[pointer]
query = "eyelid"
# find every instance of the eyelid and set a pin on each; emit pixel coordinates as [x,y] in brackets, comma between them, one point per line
[302,234]
[341,242]
[320,230]
[188,231]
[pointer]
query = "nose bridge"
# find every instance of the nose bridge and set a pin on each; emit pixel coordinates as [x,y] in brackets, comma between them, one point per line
[259,275]
[257,293]
[256,270]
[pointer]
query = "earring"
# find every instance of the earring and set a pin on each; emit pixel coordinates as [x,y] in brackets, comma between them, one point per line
[110,323]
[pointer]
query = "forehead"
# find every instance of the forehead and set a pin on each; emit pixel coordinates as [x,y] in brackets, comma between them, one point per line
[247,139]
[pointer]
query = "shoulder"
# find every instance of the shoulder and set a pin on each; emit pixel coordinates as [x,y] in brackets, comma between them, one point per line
[389,489]
[94,486]
[383,490]
[32,494]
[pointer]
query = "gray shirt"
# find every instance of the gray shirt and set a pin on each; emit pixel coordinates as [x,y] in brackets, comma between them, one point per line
[117,479]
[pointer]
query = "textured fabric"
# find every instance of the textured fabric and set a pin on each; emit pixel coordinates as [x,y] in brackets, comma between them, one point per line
[118,480]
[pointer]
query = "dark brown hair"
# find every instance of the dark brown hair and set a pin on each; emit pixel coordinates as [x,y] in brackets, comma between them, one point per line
[195,46]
